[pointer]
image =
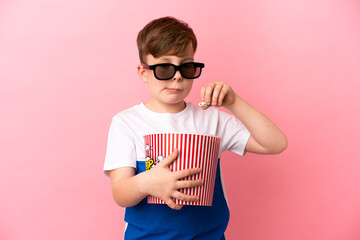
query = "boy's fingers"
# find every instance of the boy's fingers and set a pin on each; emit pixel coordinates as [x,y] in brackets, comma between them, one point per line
[204,104]
[213,94]
[187,172]
[172,204]
[208,93]
[202,93]
[169,159]
[222,96]
[184,197]
[216,94]
[189,183]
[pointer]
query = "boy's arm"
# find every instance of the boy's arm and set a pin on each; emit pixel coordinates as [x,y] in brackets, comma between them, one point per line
[129,189]
[266,137]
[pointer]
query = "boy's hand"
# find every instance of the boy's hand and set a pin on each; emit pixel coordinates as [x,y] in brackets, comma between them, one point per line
[165,184]
[217,94]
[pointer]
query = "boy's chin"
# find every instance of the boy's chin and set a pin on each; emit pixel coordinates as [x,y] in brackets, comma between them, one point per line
[176,104]
[173,100]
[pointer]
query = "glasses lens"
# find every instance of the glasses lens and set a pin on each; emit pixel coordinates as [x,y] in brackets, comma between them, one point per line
[164,71]
[190,70]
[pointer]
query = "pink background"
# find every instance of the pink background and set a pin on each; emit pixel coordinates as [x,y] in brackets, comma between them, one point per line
[66,67]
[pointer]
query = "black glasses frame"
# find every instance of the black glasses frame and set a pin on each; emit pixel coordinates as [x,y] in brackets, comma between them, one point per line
[177,68]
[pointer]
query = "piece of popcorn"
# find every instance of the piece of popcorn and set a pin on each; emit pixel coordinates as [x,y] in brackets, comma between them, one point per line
[204,104]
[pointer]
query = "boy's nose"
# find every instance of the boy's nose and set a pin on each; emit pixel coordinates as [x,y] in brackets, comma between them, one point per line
[177,76]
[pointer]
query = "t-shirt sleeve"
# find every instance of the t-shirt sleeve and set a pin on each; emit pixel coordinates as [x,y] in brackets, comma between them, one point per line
[120,151]
[234,134]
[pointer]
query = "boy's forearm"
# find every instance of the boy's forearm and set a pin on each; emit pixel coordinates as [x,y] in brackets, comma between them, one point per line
[261,128]
[128,192]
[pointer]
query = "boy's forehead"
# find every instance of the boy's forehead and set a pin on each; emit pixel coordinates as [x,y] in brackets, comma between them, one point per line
[188,54]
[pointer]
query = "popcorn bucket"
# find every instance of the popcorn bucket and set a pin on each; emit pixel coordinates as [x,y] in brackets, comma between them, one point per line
[195,151]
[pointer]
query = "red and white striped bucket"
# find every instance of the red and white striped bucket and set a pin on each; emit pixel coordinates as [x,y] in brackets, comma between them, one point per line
[195,151]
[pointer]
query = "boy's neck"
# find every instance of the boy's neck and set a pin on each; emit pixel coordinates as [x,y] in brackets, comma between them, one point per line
[166,108]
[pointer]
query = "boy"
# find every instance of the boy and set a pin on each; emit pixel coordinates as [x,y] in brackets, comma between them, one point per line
[166,50]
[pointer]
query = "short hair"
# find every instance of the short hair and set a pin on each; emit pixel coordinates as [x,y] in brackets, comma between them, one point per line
[166,35]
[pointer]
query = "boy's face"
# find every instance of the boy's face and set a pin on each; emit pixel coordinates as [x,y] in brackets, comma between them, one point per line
[167,95]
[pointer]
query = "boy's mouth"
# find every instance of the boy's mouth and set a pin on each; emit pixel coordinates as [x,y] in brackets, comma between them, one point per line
[173,90]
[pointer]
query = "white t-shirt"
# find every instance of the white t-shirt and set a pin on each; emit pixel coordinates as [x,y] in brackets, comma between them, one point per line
[126,143]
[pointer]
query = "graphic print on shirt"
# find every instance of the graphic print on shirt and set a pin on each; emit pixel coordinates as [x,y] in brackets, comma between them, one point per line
[149,162]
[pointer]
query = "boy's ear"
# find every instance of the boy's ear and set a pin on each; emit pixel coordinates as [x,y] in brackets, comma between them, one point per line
[142,73]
